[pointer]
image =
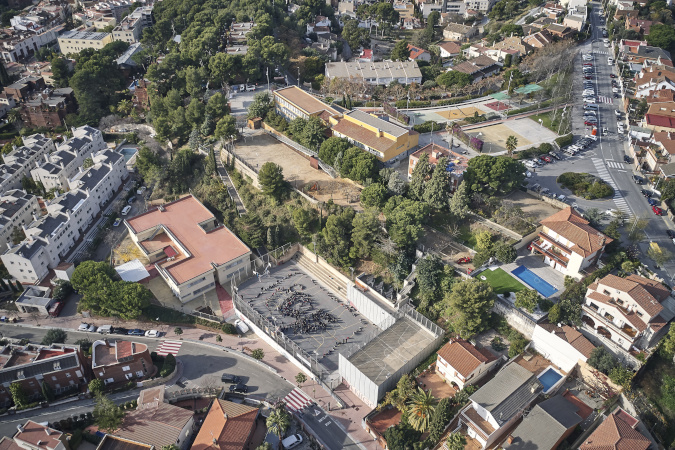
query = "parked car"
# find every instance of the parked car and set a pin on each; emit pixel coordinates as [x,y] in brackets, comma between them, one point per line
[647,193]
[119,330]
[627,159]
[547,158]
[239,387]
[117,221]
[589,123]
[229,378]
[126,210]
[658,211]
[464,260]
[132,199]
[86,327]
[152,333]
[55,309]
[611,75]
[638,179]
[652,202]
[291,442]
[136,332]
[105,329]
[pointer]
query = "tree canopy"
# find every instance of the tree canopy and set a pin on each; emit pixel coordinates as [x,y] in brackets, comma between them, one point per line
[493,175]
[467,306]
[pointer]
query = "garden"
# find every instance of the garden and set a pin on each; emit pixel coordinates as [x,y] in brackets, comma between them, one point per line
[585,185]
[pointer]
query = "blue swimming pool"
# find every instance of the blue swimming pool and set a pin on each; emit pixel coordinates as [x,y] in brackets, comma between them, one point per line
[534,281]
[128,152]
[549,378]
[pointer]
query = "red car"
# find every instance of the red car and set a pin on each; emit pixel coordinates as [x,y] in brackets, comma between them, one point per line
[590,124]
[55,309]
[546,158]
[463,260]
[588,78]
[658,211]
[611,75]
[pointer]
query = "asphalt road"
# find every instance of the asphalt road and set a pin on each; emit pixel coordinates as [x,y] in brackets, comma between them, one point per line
[605,158]
[202,366]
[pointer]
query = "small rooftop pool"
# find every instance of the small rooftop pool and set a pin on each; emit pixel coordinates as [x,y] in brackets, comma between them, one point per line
[550,378]
[128,152]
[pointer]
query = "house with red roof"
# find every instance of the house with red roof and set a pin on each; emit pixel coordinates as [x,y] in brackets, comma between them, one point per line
[120,361]
[660,117]
[617,432]
[227,426]
[654,77]
[33,436]
[568,243]
[418,54]
[461,364]
[450,49]
[628,311]
[563,345]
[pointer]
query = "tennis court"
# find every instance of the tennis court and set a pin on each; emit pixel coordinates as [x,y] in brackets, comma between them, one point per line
[534,281]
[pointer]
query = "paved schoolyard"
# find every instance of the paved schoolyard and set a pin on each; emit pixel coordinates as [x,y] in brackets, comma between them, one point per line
[273,293]
[528,132]
[260,148]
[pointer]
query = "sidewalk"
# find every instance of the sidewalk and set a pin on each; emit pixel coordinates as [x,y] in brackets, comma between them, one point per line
[349,418]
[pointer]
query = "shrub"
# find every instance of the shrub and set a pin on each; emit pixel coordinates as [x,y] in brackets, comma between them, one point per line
[621,376]
[168,366]
[228,328]
[565,140]
[518,343]
[585,185]
[427,126]
[75,439]
[602,360]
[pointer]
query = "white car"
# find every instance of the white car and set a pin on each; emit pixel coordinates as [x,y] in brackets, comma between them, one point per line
[291,441]
[86,327]
[589,100]
[152,333]
[611,212]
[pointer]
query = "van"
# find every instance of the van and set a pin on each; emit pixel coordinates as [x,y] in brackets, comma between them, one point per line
[105,329]
[241,326]
[126,210]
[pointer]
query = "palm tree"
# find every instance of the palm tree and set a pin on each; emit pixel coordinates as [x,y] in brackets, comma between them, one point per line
[14,116]
[124,107]
[420,409]
[511,144]
[455,441]
[278,421]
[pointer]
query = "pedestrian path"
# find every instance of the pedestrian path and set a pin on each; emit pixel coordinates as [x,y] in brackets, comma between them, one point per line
[603,173]
[169,347]
[615,165]
[297,400]
[603,99]
[234,194]
[601,52]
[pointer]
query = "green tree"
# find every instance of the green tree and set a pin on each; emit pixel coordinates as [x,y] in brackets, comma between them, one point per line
[331,147]
[260,106]
[19,286]
[60,71]
[429,272]
[404,220]
[455,441]
[271,179]
[661,35]
[313,133]
[402,437]
[258,354]
[178,331]
[421,172]
[87,274]
[226,128]
[300,378]
[108,416]
[374,196]
[527,299]
[668,342]
[440,419]
[622,377]
[19,396]
[668,392]
[399,397]
[421,407]
[194,114]
[602,360]
[278,421]
[467,306]
[216,106]
[459,203]
[302,220]
[47,391]
[491,175]
[437,190]
[454,78]
[511,29]
[96,387]
[511,144]
[337,235]
[400,52]
[660,256]
[505,253]
[54,336]
[365,227]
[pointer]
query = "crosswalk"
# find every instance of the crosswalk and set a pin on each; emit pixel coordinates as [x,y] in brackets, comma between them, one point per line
[297,400]
[615,165]
[604,175]
[169,347]
[603,99]
[601,52]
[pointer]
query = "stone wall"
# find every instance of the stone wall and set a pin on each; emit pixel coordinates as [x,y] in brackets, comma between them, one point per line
[515,318]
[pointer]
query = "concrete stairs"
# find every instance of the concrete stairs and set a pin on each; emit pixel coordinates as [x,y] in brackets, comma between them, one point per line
[321,274]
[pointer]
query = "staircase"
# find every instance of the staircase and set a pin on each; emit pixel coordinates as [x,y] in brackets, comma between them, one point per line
[321,274]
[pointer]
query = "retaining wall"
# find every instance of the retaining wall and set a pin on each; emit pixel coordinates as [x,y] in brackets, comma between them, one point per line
[515,318]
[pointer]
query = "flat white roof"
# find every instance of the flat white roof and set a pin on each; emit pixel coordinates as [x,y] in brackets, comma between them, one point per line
[132,271]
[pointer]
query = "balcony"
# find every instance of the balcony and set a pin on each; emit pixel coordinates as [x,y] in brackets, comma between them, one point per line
[476,422]
[550,251]
[626,331]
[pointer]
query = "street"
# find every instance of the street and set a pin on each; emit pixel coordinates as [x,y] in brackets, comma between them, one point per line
[605,159]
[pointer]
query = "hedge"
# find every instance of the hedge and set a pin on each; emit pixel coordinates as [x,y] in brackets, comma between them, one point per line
[426,127]
[565,140]
[585,185]
[403,104]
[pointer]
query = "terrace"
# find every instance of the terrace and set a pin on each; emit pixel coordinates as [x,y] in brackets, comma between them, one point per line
[626,331]
[550,251]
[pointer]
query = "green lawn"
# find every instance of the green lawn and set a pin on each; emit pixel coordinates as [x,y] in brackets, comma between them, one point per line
[554,125]
[501,281]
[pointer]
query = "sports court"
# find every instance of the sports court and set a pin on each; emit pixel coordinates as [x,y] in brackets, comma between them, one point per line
[459,112]
[307,312]
[497,106]
[495,137]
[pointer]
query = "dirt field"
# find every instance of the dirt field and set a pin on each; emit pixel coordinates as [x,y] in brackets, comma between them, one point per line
[459,113]
[531,206]
[261,148]
[495,137]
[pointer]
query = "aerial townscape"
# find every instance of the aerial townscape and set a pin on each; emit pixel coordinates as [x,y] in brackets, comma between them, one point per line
[337,224]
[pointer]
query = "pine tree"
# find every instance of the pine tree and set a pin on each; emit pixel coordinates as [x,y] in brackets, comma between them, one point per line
[420,174]
[277,235]
[208,126]
[195,139]
[19,286]
[270,238]
[437,189]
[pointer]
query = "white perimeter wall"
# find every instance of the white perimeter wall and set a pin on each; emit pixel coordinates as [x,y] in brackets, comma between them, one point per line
[371,310]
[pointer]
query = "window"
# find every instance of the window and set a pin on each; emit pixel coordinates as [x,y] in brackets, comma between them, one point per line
[68,375]
[126,368]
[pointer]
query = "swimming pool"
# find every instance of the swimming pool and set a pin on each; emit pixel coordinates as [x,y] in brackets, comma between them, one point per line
[128,152]
[534,281]
[549,378]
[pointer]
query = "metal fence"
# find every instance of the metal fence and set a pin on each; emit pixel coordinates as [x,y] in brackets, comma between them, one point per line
[301,148]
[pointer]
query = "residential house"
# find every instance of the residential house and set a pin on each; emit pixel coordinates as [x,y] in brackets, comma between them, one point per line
[618,431]
[450,49]
[76,41]
[63,367]
[553,10]
[655,77]
[24,89]
[498,405]
[238,31]
[546,426]
[479,68]
[457,164]
[640,26]
[459,32]
[110,442]
[390,143]
[366,55]
[568,243]
[622,14]
[627,311]
[418,54]
[139,89]
[560,31]
[542,22]
[157,423]
[320,24]
[406,10]
[20,160]
[227,426]
[34,436]
[482,6]
[35,299]
[625,5]
[189,248]
[19,45]
[539,40]
[117,362]
[412,23]
[656,152]
[292,102]
[660,117]
[376,73]
[17,208]
[563,345]
[50,238]
[515,45]
[49,108]
[660,96]
[575,22]
[461,364]
[667,170]
[644,54]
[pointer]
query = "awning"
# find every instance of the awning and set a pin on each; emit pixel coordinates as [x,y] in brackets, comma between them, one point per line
[132,271]
[170,252]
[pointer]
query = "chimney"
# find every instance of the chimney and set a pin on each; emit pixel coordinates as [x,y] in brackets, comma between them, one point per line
[47,431]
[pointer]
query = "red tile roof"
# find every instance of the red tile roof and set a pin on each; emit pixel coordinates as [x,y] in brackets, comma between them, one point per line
[159,425]
[645,292]
[617,432]
[571,336]
[363,135]
[569,224]
[464,357]
[451,47]
[38,435]
[415,52]
[227,426]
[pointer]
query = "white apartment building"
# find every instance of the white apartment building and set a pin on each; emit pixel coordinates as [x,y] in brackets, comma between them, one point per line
[76,41]
[456,6]
[55,169]
[19,161]
[17,208]
[130,29]
[50,238]
[376,73]
[17,45]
